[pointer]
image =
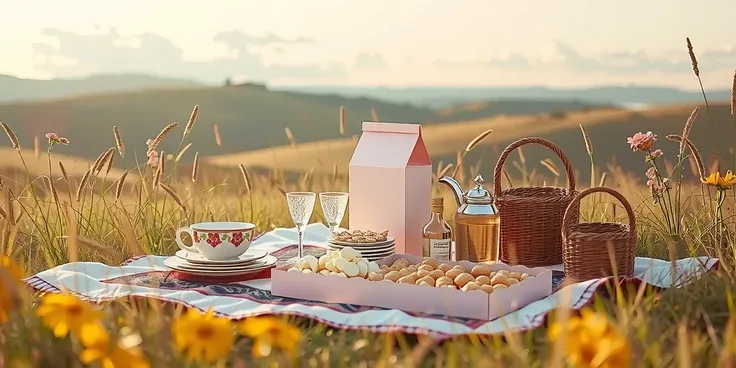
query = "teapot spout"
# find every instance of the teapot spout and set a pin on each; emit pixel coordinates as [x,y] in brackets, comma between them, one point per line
[455,186]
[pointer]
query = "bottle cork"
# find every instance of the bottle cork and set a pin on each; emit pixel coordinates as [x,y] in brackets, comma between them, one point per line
[437,205]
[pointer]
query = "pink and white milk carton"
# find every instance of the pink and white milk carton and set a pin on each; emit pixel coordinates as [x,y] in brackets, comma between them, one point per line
[390,183]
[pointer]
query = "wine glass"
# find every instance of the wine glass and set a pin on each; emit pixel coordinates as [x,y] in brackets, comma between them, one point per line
[333,207]
[301,205]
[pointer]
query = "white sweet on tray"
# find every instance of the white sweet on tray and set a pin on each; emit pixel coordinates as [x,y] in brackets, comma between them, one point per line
[346,262]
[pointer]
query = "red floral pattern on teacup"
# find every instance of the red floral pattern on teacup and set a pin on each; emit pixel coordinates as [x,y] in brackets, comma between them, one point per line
[196,237]
[237,239]
[213,239]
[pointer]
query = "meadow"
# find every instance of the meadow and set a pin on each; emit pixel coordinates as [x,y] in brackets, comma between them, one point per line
[107,213]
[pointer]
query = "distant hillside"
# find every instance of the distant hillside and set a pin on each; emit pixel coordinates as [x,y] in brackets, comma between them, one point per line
[249,117]
[16,89]
[446,96]
[608,129]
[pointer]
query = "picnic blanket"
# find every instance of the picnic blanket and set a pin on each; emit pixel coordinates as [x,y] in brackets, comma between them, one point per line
[147,277]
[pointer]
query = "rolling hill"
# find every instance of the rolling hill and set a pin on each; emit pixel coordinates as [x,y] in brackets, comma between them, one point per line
[440,97]
[608,129]
[249,117]
[14,89]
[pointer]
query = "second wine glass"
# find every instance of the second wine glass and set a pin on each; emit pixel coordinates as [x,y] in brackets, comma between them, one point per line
[301,205]
[333,207]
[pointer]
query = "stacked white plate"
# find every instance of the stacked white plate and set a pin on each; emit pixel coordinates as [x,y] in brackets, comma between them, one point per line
[192,263]
[370,251]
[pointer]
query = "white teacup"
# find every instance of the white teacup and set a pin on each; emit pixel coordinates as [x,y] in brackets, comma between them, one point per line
[217,240]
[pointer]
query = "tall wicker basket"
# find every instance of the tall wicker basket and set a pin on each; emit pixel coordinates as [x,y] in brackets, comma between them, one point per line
[531,217]
[598,249]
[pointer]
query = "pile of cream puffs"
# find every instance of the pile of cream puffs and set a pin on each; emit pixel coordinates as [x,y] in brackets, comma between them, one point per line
[346,262]
[430,272]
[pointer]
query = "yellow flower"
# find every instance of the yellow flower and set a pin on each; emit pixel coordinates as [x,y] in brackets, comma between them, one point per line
[65,312]
[269,331]
[591,341]
[10,286]
[204,337]
[721,182]
[98,348]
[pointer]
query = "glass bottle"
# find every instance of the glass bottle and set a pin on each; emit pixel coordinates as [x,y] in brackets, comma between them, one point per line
[437,234]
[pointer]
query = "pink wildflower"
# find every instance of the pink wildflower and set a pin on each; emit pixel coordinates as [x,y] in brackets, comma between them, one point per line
[651,173]
[55,139]
[642,141]
[656,153]
[152,158]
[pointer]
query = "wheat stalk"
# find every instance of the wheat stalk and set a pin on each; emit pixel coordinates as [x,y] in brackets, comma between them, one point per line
[550,166]
[342,120]
[192,120]
[733,114]
[374,114]
[110,164]
[162,163]
[290,136]
[444,171]
[173,195]
[334,174]
[182,152]
[246,178]
[693,59]
[36,147]
[11,208]
[3,214]
[733,95]
[195,167]
[63,172]
[602,182]
[11,135]
[686,130]
[118,141]
[83,184]
[157,177]
[696,154]
[52,187]
[586,139]
[160,137]
[508,178]
[120,185]
[1,184]
[218,138]
[106,159]
[476,141]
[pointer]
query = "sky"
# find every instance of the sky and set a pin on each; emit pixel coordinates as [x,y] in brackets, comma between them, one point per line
[557,43]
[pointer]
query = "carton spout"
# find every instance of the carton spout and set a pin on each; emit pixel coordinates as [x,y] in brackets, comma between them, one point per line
[455,186]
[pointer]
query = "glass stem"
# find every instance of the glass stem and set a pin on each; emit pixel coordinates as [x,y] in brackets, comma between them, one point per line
[334,227]
[301,243]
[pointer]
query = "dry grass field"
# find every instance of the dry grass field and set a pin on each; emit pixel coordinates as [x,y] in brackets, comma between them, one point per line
[86,213]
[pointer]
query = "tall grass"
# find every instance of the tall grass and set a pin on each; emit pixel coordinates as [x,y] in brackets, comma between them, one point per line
[53,220]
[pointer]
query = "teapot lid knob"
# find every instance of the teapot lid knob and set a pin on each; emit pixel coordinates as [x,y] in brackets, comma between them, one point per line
[479,181]
[478,195]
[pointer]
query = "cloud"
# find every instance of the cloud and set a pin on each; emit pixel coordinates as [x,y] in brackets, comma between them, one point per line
[151,53]
[567,57]
[367,60]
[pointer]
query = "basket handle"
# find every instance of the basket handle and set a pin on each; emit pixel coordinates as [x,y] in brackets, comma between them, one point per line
[567,218]
[498,172]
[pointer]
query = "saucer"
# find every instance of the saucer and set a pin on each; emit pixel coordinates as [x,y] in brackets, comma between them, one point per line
[247,257]
[181,265]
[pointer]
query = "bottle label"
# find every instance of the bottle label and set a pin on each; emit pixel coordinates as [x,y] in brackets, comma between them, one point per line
[437,248]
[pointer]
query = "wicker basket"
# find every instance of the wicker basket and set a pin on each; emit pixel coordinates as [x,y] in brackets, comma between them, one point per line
[589,247]
[531,217]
